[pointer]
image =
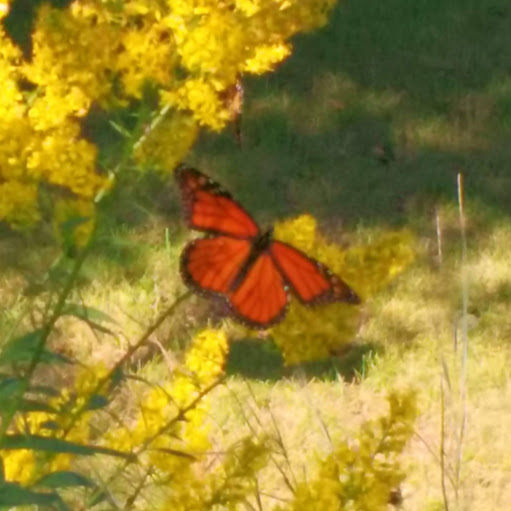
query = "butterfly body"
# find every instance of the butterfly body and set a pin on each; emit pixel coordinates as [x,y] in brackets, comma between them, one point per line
[244,265]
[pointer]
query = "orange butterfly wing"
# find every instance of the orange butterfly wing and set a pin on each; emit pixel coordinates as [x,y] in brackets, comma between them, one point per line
[311,281]
[260,298]
[210,208]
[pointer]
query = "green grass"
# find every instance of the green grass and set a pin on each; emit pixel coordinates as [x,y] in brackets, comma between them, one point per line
[429,79]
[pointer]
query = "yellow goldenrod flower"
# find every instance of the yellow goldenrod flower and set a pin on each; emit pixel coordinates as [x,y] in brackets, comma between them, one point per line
[4,9]
[309,333]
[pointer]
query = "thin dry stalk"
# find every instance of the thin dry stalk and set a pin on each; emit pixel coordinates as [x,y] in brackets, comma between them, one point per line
[464,336]
[439,238]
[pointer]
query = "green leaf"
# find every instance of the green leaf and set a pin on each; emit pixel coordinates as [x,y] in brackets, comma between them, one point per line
[23,349]
[96,402]
[70,225]
[34,289]
[31,405]
[45,389]
[50,425]
[10,386]
[174,452]
[41,443]
[12,494]
[64,479]
[60,271]
[86,313]
[11,397]
[117,377]
[93,317]
[96,498]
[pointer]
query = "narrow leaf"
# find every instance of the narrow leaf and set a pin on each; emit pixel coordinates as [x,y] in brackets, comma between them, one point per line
[64,479]
[96,402]
[177,453]
[10,386]
[31,405]
[23,349]
[86,313]
[12,494]
[41,443]
[45,389]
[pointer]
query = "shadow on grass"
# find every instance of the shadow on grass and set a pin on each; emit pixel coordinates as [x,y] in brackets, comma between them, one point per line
[427,78]
[261,360]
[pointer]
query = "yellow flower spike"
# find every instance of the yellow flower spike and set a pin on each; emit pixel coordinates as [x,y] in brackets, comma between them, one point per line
[4,8]
[314,333]
[310,333]
[299,232]
[361,474]
[266,58]
[202,99]
[19,465]
[206,357]
[372,267]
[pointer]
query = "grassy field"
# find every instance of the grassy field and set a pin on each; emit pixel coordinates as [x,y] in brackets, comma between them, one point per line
[366,127]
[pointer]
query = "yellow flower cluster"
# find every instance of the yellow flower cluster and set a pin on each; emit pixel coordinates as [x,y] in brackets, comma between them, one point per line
[24,466]
[227,486]
[183,54]
[175,446]
[361,474]
[309,333]
[4,8]
[158,426]
[39,142]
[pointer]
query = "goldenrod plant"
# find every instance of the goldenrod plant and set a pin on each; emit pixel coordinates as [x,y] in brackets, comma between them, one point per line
[167,61]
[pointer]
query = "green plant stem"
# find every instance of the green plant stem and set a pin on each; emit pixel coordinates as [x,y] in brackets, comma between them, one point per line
[45,332]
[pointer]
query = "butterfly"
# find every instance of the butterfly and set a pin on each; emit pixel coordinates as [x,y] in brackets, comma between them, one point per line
[238,261]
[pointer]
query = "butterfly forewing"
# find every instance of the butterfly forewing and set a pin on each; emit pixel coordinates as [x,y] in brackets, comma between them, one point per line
[212,264]
[210,208]
[260,299]
[311,281]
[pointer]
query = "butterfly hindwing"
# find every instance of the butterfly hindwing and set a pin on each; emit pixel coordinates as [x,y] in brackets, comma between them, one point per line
[260,298]
[209,208]
[311,281]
